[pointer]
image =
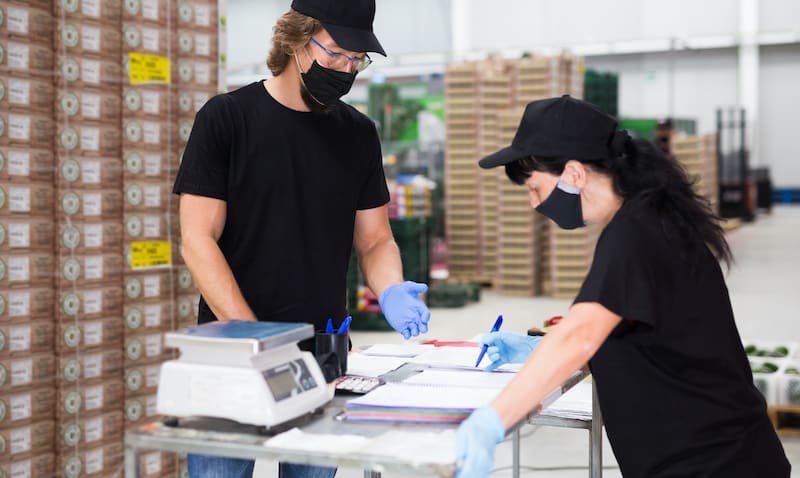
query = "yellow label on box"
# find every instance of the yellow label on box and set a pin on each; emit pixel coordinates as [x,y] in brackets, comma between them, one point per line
[150,254]
[144,68]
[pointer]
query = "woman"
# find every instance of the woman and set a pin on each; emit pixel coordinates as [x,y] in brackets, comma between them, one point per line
[653,318]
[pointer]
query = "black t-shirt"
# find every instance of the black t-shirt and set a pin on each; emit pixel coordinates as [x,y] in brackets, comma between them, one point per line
[293,182]
[674,385]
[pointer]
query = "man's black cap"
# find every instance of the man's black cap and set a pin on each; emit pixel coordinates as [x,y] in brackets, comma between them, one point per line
[348,21]
[561,127]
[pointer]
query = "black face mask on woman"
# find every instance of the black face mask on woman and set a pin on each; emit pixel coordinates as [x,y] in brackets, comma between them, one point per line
[326,86]
[563,206]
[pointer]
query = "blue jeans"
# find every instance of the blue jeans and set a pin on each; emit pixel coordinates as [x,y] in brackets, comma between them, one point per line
[202,466]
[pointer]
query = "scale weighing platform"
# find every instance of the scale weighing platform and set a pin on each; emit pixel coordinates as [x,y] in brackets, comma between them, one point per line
[249,372]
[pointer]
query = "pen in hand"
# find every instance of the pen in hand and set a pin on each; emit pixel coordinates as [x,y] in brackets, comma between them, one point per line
[495,328]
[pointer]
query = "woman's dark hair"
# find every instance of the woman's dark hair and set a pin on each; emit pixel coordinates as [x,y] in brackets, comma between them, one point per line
[642,172]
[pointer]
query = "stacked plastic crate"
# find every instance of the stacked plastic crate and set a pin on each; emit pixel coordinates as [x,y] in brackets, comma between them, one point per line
[88,212]
[461,170]
[27,361]
[495,96]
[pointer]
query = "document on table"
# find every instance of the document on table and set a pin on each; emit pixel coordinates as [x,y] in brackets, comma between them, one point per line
[459,358]
[460,378]
[371,365]
[576,403]
[397,350]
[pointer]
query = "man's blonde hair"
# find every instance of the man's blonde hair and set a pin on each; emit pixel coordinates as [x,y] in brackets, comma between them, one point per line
[291,32]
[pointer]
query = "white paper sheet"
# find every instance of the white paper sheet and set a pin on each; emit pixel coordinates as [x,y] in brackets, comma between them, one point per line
[295,439]
[576,403]
[460,378]
[400,395]
[398,350]
[372,366]
[459,358]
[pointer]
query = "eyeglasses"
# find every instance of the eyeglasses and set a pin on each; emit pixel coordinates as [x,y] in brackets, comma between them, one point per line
[338,60]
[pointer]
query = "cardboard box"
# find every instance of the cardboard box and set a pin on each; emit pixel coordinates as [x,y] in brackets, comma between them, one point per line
[152,285]
[22,164]
[147,134]
[141,196]
[88,335]
[95,365]
[25,407]
[142,379]
[89,173]
[183,281]
[76,105]
[140,409]
[90,237]
[189,101]
[146,101]
[97,204]
[140,165]
[30,466]
[91,396]
[197,44]
[197,15]
[26,199]
[157,464]
[87,431]
[35,370]
[89,269]
[31,234]
[27,338]
[195,73]
[35,439]
[89,303]
[186,308]
[145,38]
[146,349]
[88,38]
[26,269]
[103,11]
[28,129]
[84,139]
[81,72]
[148,317]
[24,304]
[145,227]
[27,94]
[104,460]
[26,58]
[146,12]
[26,22]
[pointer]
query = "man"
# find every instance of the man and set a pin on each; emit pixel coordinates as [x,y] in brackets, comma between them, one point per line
[279,180]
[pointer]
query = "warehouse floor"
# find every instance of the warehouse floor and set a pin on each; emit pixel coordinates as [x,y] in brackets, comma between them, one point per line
[764,290]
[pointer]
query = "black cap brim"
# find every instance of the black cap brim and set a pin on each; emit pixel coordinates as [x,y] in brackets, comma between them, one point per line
[504,156]
[354,39]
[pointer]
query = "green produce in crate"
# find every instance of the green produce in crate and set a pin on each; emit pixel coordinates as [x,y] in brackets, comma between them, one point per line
[792,371]
[766,367]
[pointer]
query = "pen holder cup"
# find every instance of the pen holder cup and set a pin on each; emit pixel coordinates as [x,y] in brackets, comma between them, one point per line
[331,353]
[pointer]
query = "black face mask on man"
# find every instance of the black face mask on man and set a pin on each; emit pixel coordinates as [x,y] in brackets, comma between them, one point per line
[563,206]
[326,86]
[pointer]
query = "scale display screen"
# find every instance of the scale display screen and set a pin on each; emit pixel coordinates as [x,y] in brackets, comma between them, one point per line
[289,379]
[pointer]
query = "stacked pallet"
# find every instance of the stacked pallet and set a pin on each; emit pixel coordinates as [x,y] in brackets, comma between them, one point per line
[461,178]
[495,96]
[697,155]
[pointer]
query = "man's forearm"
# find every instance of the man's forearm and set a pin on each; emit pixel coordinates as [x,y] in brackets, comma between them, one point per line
[214,278]
[381,266]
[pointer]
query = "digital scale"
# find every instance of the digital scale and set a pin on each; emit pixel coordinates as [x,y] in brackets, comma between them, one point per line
[245,371]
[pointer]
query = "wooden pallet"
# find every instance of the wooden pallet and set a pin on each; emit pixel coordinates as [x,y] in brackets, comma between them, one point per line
[785,419]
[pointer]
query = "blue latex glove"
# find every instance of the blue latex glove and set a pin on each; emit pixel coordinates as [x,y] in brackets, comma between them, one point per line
[403,308]
[476,439]
[508,347]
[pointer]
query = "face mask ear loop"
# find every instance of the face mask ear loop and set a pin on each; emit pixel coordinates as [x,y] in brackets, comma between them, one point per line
[300,72]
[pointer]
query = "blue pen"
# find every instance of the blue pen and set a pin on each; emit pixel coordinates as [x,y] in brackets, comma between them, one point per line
[495,328]
[329,326]
[345,325]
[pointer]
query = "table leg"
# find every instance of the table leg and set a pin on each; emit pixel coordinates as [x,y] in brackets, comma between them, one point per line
[131,462]
[596,438]
[515,453]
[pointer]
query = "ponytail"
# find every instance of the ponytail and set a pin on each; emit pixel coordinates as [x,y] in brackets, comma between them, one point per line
[641,172]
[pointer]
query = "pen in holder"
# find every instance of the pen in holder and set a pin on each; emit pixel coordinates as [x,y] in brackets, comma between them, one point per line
[331,352]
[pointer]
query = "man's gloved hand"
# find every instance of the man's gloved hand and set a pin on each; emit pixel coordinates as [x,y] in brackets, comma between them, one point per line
[403,308]
[508,347]
[475,442]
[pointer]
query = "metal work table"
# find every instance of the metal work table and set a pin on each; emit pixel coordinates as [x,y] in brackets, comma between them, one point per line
[225,438]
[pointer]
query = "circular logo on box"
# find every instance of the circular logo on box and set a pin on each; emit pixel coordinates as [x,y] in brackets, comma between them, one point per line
[133,131]
[71,70]
[70,203]
[134,349]
[71,170]
[71,303]
[2,126]
[2,55]
[72,336]
[72,370]
[185,42]
[133,37]
[133,288]
[134,163]
[185,12]
[2,269]
[70,237]
[70,36]
[3,374]
[73,467]
[70,104]
[184,307]
[72,434]
[132,7]
[134,195]
[2,89]
[133,318]
[2,308]
[2,342]
[185,102]
[72,402]
[3,410]
[185,71]
[134,380]
[2,197]
[185,278]
[134,226]
[69,138]
[2,234]
[133,410]
[185,129]
[71,6]
[133,100]
[72,269]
